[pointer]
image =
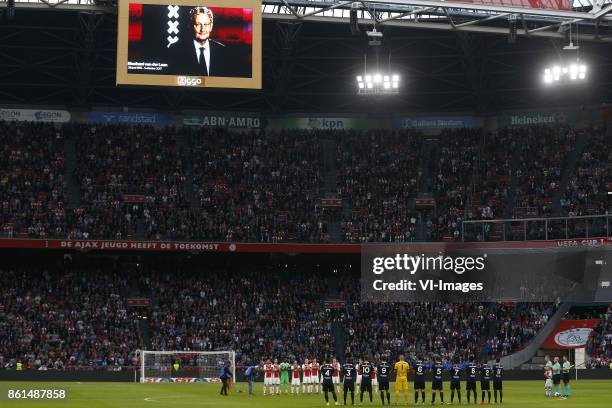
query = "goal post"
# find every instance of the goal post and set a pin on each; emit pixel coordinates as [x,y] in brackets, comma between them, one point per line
[184,366]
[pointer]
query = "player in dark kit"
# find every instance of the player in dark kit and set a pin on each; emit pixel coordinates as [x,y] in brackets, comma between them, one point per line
[366,379]
[498,372]
[485,381]
[383,381]
[419,380]
[436,383]
[349,372]
[472,370]
[327,371]
[456,381]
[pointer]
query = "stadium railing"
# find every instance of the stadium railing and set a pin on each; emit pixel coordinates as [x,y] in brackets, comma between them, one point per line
[537,228]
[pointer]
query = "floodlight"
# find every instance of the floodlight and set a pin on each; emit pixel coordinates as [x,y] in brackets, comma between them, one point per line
[572,72]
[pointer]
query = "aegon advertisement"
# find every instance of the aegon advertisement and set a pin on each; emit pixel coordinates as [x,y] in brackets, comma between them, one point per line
[34,115]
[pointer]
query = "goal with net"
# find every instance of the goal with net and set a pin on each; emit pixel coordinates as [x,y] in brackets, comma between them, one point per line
[185,366]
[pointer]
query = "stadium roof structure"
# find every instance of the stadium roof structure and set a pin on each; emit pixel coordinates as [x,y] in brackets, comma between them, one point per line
[453,56]
[593,15]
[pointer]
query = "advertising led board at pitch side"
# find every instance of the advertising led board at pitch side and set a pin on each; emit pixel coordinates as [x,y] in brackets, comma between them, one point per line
[188,43]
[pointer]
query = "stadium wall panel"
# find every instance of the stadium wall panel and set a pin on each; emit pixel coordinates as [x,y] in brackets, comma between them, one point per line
[82,376]
[128,376]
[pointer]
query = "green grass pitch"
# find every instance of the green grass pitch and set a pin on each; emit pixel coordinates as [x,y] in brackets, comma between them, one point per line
[593,394]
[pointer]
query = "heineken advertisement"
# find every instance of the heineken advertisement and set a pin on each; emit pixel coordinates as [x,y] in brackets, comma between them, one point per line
[536,118]
[434,122]
[313,123]
[223,121]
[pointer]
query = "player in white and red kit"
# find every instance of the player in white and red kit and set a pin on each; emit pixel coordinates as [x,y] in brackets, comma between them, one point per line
[374,380]
[315,376]
[336,374]
[306,377]
[359,376]
[268,377]
[295,378]
[276,376]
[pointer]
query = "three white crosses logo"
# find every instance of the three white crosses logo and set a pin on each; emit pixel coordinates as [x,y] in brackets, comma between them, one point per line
[172,25]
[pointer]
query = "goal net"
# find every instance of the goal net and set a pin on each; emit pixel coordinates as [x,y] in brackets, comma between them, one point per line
[185,366]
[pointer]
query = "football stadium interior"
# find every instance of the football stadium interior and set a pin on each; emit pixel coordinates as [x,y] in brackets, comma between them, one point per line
[276,203]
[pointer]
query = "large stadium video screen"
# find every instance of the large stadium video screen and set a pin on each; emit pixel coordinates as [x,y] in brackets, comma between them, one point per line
[187,43]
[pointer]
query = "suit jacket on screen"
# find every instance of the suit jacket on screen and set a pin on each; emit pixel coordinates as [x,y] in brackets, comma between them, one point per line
[224,62]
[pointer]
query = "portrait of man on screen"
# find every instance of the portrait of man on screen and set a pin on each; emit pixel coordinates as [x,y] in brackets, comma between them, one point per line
[198,54]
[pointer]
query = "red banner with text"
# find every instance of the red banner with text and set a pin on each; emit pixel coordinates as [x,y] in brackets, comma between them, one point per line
[570,334]
[534,4]
[197,246]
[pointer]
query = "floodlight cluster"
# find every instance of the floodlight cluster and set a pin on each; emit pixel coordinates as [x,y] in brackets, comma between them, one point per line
[378,83]
[563,73]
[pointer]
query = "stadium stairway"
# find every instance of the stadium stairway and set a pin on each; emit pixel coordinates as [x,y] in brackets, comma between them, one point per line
[339,340]
[427,165]
[145,333]
[330,184]
[185,145]
[568,170]
[73,190]
[522,356]
[512,190]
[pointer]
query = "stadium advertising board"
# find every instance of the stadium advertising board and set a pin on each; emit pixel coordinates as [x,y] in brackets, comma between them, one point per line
[570,334]
[434,122]
[201,246]
[536,118]
[188,43]
[232,121]
[136,118]
[322,123]
[34,115]
[536,4]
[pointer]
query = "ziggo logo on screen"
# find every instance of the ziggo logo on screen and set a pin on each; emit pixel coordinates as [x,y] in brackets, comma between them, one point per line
[188,81]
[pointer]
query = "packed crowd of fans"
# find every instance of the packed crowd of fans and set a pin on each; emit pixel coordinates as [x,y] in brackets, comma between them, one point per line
[586,190]
[78,318]
[429,329]
[64,320]
[455,165]
[599,345]
[32,180]
[258,186]
[379,174]
[258,315]
[141,182]
[126,174]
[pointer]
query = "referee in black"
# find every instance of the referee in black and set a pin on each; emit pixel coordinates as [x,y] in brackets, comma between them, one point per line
[225,376]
